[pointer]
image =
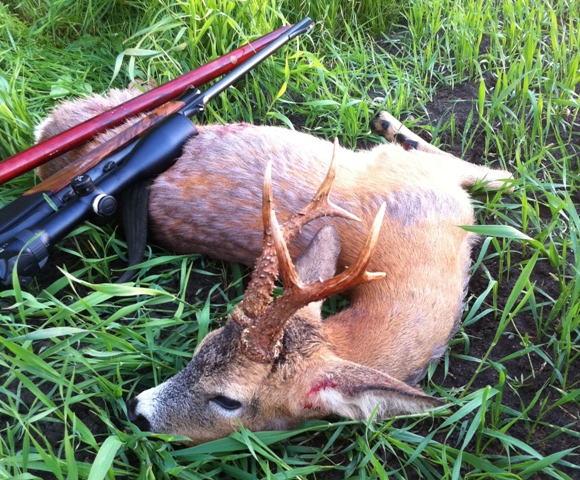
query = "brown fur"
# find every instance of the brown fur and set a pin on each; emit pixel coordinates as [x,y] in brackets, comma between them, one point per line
[210,202]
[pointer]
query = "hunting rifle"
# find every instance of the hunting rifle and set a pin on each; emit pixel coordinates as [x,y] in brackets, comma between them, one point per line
[86,189]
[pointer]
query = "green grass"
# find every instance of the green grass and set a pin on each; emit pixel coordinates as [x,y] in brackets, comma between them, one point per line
[74,347]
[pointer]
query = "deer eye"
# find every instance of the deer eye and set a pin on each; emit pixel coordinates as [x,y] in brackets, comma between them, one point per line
[226,403]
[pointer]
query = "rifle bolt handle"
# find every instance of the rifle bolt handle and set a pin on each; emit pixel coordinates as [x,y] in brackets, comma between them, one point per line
[104,205]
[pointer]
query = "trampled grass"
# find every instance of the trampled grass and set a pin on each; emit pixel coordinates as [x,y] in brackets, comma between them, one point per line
[74,347]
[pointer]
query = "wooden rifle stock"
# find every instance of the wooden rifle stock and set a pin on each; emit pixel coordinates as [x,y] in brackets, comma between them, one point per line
[76,136]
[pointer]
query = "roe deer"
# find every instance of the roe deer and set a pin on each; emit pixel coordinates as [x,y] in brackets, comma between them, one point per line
[277,363]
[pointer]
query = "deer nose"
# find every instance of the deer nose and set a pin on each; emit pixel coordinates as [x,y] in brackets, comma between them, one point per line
[137,418]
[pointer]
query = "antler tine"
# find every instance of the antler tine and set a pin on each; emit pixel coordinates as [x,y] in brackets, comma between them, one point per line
[262,340]
[320,205]
[285,265]
[267,198]
[258,294]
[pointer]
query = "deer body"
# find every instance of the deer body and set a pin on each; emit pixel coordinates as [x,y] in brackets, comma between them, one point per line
[372,353]
[421,249]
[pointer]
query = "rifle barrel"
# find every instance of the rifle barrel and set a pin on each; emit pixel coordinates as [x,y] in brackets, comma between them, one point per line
[76,136]
[217,88]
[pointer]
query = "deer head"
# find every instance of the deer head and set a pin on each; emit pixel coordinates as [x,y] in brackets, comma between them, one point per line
[270,366]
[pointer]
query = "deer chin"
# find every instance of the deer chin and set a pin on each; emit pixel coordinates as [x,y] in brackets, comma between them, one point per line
[277,423]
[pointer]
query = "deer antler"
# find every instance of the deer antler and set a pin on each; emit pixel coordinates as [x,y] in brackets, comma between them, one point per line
[264,321]
[258,294]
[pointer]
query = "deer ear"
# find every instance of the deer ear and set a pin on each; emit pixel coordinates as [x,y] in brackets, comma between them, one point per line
[318,262]
[355,391]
